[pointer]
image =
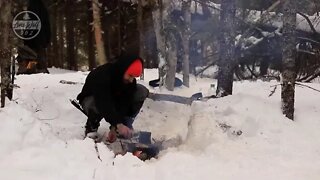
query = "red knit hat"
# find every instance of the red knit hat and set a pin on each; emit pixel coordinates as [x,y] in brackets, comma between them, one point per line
[135,68]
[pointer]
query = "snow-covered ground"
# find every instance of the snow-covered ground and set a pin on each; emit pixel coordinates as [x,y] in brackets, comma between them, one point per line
[243,136]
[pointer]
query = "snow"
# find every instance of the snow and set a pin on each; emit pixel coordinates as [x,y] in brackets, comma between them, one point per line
[162,61]
[243,136]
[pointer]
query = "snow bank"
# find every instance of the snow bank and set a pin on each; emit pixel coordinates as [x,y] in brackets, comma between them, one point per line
[243,136]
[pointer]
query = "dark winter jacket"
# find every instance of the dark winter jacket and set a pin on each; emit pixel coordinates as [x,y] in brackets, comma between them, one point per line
[113,97]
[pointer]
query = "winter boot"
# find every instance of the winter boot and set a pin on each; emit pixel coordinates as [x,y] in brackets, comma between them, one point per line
[91,132]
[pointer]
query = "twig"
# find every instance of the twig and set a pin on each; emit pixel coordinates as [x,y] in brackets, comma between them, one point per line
[310,23]
[308,39]
[97,150]
[273,91]
[307,87]
[299,85]
[309,79]
[202,70]
[307,52]
[251,71]
[70,82]
[275,85]
[209,65]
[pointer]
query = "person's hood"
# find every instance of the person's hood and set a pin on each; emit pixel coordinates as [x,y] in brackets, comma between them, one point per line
[123,62]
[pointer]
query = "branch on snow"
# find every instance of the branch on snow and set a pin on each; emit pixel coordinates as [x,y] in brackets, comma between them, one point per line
[300,85]
[307,52]
[310,23]
[273,91]
[307,87]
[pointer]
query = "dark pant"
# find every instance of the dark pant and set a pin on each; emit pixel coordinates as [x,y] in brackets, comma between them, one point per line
[89,106]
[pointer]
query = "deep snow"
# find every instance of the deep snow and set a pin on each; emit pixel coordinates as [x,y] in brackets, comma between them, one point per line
[243,136]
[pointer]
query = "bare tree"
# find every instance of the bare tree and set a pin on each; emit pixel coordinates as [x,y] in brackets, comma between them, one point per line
[186,8]
[98,32]
[5,53]
[288,57]
[227,48]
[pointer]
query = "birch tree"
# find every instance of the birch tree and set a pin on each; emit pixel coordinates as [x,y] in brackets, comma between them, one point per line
[227,48]
[288,57]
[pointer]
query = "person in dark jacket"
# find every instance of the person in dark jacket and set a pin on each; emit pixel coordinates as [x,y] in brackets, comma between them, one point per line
[111,92]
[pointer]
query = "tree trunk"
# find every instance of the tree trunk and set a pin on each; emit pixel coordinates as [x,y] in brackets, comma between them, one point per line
[227,48]
[119,28]
[49,55]
[98,32]
[166,43]
[5,22]
[150,40]
[77,40]
[171,62]
[142,47]
[70,23]
[288,58]
[91,53]
[170,33]
[106,21]
[186,5]
[54,55]
[61,38]
[160,39]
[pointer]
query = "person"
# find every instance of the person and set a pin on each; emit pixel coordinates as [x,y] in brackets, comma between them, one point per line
[40,42]
[111,92]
